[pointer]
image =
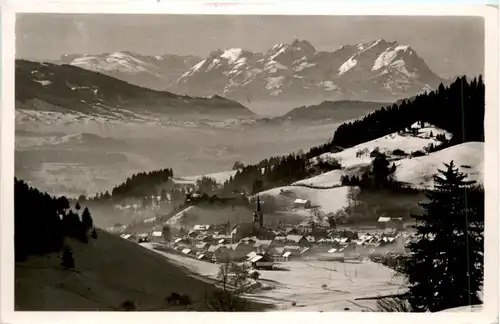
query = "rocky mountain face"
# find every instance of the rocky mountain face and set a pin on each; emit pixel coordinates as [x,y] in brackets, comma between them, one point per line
[377,71]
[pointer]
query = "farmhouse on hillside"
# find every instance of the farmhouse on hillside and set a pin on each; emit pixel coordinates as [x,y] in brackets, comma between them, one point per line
[182,184]
[390,223]
[302,203]
[201,228]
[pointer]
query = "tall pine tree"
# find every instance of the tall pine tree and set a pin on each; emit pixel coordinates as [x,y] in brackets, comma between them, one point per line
[87,221]
[445,269]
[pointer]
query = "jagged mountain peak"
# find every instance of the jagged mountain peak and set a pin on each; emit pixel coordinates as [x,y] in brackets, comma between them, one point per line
[214,54]
[378,69]
[287,53]
[303,44]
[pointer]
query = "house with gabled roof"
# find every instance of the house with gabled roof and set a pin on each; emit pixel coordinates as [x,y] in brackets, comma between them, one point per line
[302,203]
[219,253]
[395,223]
[201,228]
[299,240]
[261,261]
[278,241]
[202,246]
[240,250]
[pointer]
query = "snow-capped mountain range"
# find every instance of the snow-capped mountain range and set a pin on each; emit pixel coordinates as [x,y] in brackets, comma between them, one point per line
[378,70]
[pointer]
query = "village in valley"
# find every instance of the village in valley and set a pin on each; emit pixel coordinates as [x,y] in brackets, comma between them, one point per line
[305,247]
[252,241]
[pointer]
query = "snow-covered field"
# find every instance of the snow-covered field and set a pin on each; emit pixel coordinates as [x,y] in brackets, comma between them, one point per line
[94,284]
[417,172]
[302,282]
[360,154]
[328,200]
[219,177]
[329,179]
[345,282]
[468,157]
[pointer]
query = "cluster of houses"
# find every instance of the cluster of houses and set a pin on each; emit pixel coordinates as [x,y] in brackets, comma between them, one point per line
[262,247]
[206,242]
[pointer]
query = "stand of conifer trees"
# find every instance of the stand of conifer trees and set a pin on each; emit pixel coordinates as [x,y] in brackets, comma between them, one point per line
[41,222]
[458,108]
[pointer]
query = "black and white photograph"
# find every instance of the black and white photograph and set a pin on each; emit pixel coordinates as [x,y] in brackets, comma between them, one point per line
[250,163]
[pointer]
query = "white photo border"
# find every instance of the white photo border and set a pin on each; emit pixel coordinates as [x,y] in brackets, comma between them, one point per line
[489,313]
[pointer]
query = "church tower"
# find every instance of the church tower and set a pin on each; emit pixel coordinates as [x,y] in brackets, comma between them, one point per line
[259,213]
[255,220]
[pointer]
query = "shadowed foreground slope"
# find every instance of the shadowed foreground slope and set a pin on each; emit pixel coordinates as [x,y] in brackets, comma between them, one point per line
[108,271]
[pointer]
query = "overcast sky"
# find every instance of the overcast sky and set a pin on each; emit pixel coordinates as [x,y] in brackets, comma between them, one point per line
[449,45]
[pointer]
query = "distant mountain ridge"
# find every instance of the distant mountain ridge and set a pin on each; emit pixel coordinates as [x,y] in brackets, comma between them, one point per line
[66,88]
[378,70]
[155,72]
[332,111]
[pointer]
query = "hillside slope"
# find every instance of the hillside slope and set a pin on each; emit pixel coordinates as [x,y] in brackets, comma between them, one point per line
[219,177]
[216,215]
[108,271]
[357,158]
[406,141]
[419,171]
[66,88]
[330,111]
[329,200]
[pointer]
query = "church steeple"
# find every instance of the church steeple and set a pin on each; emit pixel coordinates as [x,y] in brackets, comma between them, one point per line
[260,215]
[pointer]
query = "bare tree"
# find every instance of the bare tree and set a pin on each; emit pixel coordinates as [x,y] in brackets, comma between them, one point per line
[352,195]
[223,274]
[234,275]
[166,232]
